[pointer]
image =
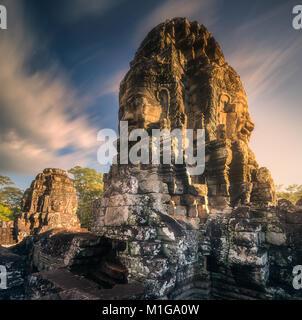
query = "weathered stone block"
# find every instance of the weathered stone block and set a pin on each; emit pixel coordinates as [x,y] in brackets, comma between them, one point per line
[275,238]
[116,216]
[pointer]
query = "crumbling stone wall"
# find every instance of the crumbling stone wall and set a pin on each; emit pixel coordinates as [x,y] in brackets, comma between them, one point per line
[252,253]
[159,241]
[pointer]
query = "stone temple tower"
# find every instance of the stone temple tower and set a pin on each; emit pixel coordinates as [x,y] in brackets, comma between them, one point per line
[156,212]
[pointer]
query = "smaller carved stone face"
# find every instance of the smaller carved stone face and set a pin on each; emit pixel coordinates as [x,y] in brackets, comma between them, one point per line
[236,118]
[245,125]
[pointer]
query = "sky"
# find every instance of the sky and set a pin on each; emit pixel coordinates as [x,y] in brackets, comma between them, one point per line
[61,62]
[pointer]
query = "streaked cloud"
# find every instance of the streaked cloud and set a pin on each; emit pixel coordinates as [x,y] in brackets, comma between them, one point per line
[111,85]
[260,65]
[77,10]
[265,51]
[40,111]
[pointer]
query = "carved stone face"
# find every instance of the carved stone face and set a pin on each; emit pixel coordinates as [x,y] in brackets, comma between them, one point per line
[235,116]
[140,108]
[245,125]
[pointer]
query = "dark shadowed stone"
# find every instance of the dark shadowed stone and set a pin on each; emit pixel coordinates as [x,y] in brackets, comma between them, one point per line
[63,285]
[299,202]
[15,268]
[286,205]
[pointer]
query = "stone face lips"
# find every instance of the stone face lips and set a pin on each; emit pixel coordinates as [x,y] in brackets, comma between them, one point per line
[50,203]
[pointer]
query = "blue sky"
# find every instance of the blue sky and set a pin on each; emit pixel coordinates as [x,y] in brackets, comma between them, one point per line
[61,62]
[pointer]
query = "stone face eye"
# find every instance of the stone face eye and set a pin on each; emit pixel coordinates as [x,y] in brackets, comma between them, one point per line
[229,108]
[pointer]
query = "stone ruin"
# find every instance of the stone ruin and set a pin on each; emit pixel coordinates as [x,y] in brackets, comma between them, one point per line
[49,203]
[179,79]
[159,232]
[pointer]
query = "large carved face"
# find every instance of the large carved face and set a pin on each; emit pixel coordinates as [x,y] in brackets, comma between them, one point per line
[140,107]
